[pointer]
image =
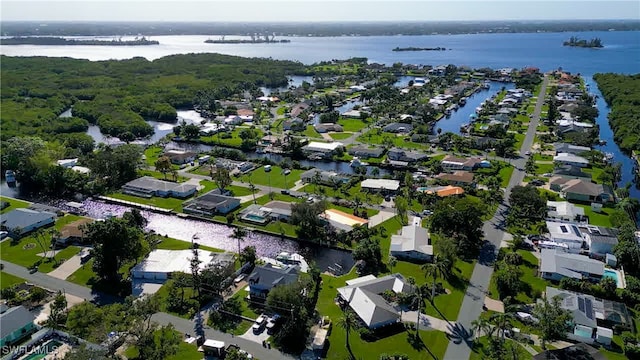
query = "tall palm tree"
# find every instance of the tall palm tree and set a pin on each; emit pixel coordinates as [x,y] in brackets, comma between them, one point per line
[392,262]
[482,325]
[439,267]
[348,322]
[417,301]
[239,234]
[501,322]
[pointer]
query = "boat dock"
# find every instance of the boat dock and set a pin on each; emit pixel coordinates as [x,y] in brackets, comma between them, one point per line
[135,205]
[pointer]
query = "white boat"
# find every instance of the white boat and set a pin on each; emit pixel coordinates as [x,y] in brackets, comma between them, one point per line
[287,258]
[10,176]
[356,163]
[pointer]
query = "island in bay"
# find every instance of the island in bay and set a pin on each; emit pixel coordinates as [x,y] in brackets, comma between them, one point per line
[577,42]
[51,40]
[255,39]
[411,48]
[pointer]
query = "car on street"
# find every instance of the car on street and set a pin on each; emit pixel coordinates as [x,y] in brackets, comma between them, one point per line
[285,192]
[528,153]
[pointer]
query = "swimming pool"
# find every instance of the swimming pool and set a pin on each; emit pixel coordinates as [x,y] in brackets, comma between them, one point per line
[43,350]
[610,274]
[582,331]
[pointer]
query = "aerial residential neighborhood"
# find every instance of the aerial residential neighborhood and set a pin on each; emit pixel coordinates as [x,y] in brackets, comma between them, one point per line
[209,206]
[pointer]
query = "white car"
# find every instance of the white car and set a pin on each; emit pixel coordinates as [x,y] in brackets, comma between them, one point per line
[4,234]
[259,323]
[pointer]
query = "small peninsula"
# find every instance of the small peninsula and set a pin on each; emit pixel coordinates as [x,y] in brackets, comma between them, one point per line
[576,42]
[48,40]
[419,49]
[255,39]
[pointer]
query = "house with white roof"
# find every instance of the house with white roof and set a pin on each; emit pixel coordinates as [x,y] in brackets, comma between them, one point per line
[413,243]
[566,233]
[556,264]
[570,159]
[564,211]
[322,147]
[160,264]
[363,295]
[380,185]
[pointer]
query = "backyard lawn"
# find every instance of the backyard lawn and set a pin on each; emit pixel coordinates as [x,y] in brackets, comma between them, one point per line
[13,204]
[600,219]
[340,136]
[311,132]
[376,136]
[351,125]
[8,280]
[165,203]
[274,178]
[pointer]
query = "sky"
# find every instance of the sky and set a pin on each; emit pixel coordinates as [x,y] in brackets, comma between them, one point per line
[314,10]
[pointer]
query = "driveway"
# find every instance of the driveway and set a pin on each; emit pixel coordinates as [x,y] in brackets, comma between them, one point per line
[426,322]
[68,267]
[42,313]
[380,217]
[256,337]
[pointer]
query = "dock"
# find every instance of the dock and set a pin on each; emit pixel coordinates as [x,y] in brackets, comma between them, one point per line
[135,205]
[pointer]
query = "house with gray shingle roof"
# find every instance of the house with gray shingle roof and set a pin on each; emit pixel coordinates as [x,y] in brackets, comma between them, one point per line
[264,278]
[555,265]
[17,323]
[22,221]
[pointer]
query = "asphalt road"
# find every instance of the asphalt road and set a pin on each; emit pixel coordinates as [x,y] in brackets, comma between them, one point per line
[494,232]
[181,325]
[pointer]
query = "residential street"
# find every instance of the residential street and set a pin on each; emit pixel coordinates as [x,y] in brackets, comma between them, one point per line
[494,232]
[181,325]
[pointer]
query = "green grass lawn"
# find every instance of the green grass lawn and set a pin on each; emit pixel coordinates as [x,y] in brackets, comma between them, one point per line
[480,350]
[352,125]
[340,136]
[533,283]
[168,243]
[435,341]
[161,176]
[25,252]
[349,194]
[505,175]
[13,204]
[595,173]
[519,140]
[234,141]
[311,132]
[240,190]
[185,352]
[151,154]
[204,169]
[165,203]
[544,168]
[83,275]
[372,137]
[540,157]
[8,280]
[600,219]
[274,178]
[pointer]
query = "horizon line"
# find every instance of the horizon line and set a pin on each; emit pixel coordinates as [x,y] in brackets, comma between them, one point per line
[320,21]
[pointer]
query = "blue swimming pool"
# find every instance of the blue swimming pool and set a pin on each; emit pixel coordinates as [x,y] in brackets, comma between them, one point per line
[584,332]
[610,274]
[43,350]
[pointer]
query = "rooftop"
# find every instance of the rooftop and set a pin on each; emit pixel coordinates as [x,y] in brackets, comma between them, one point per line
[569,265]
[383,184]
[14,319]
[322,146]
[168,261]
[348,221]
[412,238]
[24,218]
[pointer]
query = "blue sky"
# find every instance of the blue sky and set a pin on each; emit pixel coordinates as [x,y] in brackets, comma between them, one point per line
[314,10]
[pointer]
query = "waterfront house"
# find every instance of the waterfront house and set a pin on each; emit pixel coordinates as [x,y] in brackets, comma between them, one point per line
[569,149]
[17,324]
[413,243]
[19,222]
[380,185]
[556,265]
[586,191]
[398,128]
[571,160]
[211,203]
[443,191]
[365,152]
[571,172]
[342,221]
[324,177]
[566,126]
[363,296]
[160,264]
[180,157]
[564,211]
[73,232]
[295,124]
[266,277]
[148,186]
[297,109]
[324,149]
[451,162]
[398,154]
[459,177]
[262,214]
[327,127]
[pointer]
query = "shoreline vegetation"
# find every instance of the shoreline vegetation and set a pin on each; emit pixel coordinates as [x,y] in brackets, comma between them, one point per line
[411,48]
[51,40]
[574,41]
[621,94]
[252,41]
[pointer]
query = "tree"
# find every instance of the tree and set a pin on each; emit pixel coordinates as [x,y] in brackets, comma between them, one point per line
[611,175]
[214,278]
[221,177]
[290,302]
[627,250]
[115,242]
[248,255]
[194,264]
[239,234]
[502,323]
[553,320]
[417,300]
[57,316]
[234,354]
[84,352]
[392,262]
[482,325]
[163,165]
[158,344]
[306,217]
[526,202]
[348,322]
[438,267]
[461,220]
[191,131]
[530,166]
[401,206]
[368,250]
[507,279]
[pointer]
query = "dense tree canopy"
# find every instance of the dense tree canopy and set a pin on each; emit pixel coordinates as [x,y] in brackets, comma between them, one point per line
[461,220]
[622,93]
[119,95]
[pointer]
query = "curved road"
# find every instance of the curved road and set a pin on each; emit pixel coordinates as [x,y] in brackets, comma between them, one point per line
[494,232]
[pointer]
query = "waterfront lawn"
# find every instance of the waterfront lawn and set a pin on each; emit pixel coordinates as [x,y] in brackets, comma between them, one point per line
[233,140]
[352,125]
[533,284]
[152,154]
[311,132]
[481,350]
[370,212]
[168,243]
[599,219]
[7,280]
[274,178]
[165,203]
[435,341]
[595,173]
[340,136]
[13,204]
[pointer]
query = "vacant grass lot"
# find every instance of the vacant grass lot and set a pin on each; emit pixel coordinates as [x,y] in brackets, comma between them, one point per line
[376,136]
[274,178]
[13,204]
[348,194]
[234,141]
[340,136]
[25,252]
[352,125]
[311,132]
[7,280]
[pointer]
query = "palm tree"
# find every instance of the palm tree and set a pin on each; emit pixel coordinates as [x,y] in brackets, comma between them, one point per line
[482,325]
[348,322]
[253,191]
[357,202]
[417,300]
[439,267]
[629,205]
[239,234]
[501,322]
[392,262]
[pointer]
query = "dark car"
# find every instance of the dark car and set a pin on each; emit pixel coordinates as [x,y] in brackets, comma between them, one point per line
[536,182]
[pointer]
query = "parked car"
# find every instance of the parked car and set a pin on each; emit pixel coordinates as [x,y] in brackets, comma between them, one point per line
[536,182]
[272,323]
[259,323]
[310,199]
[528,153]
[4,234]
[285,192]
